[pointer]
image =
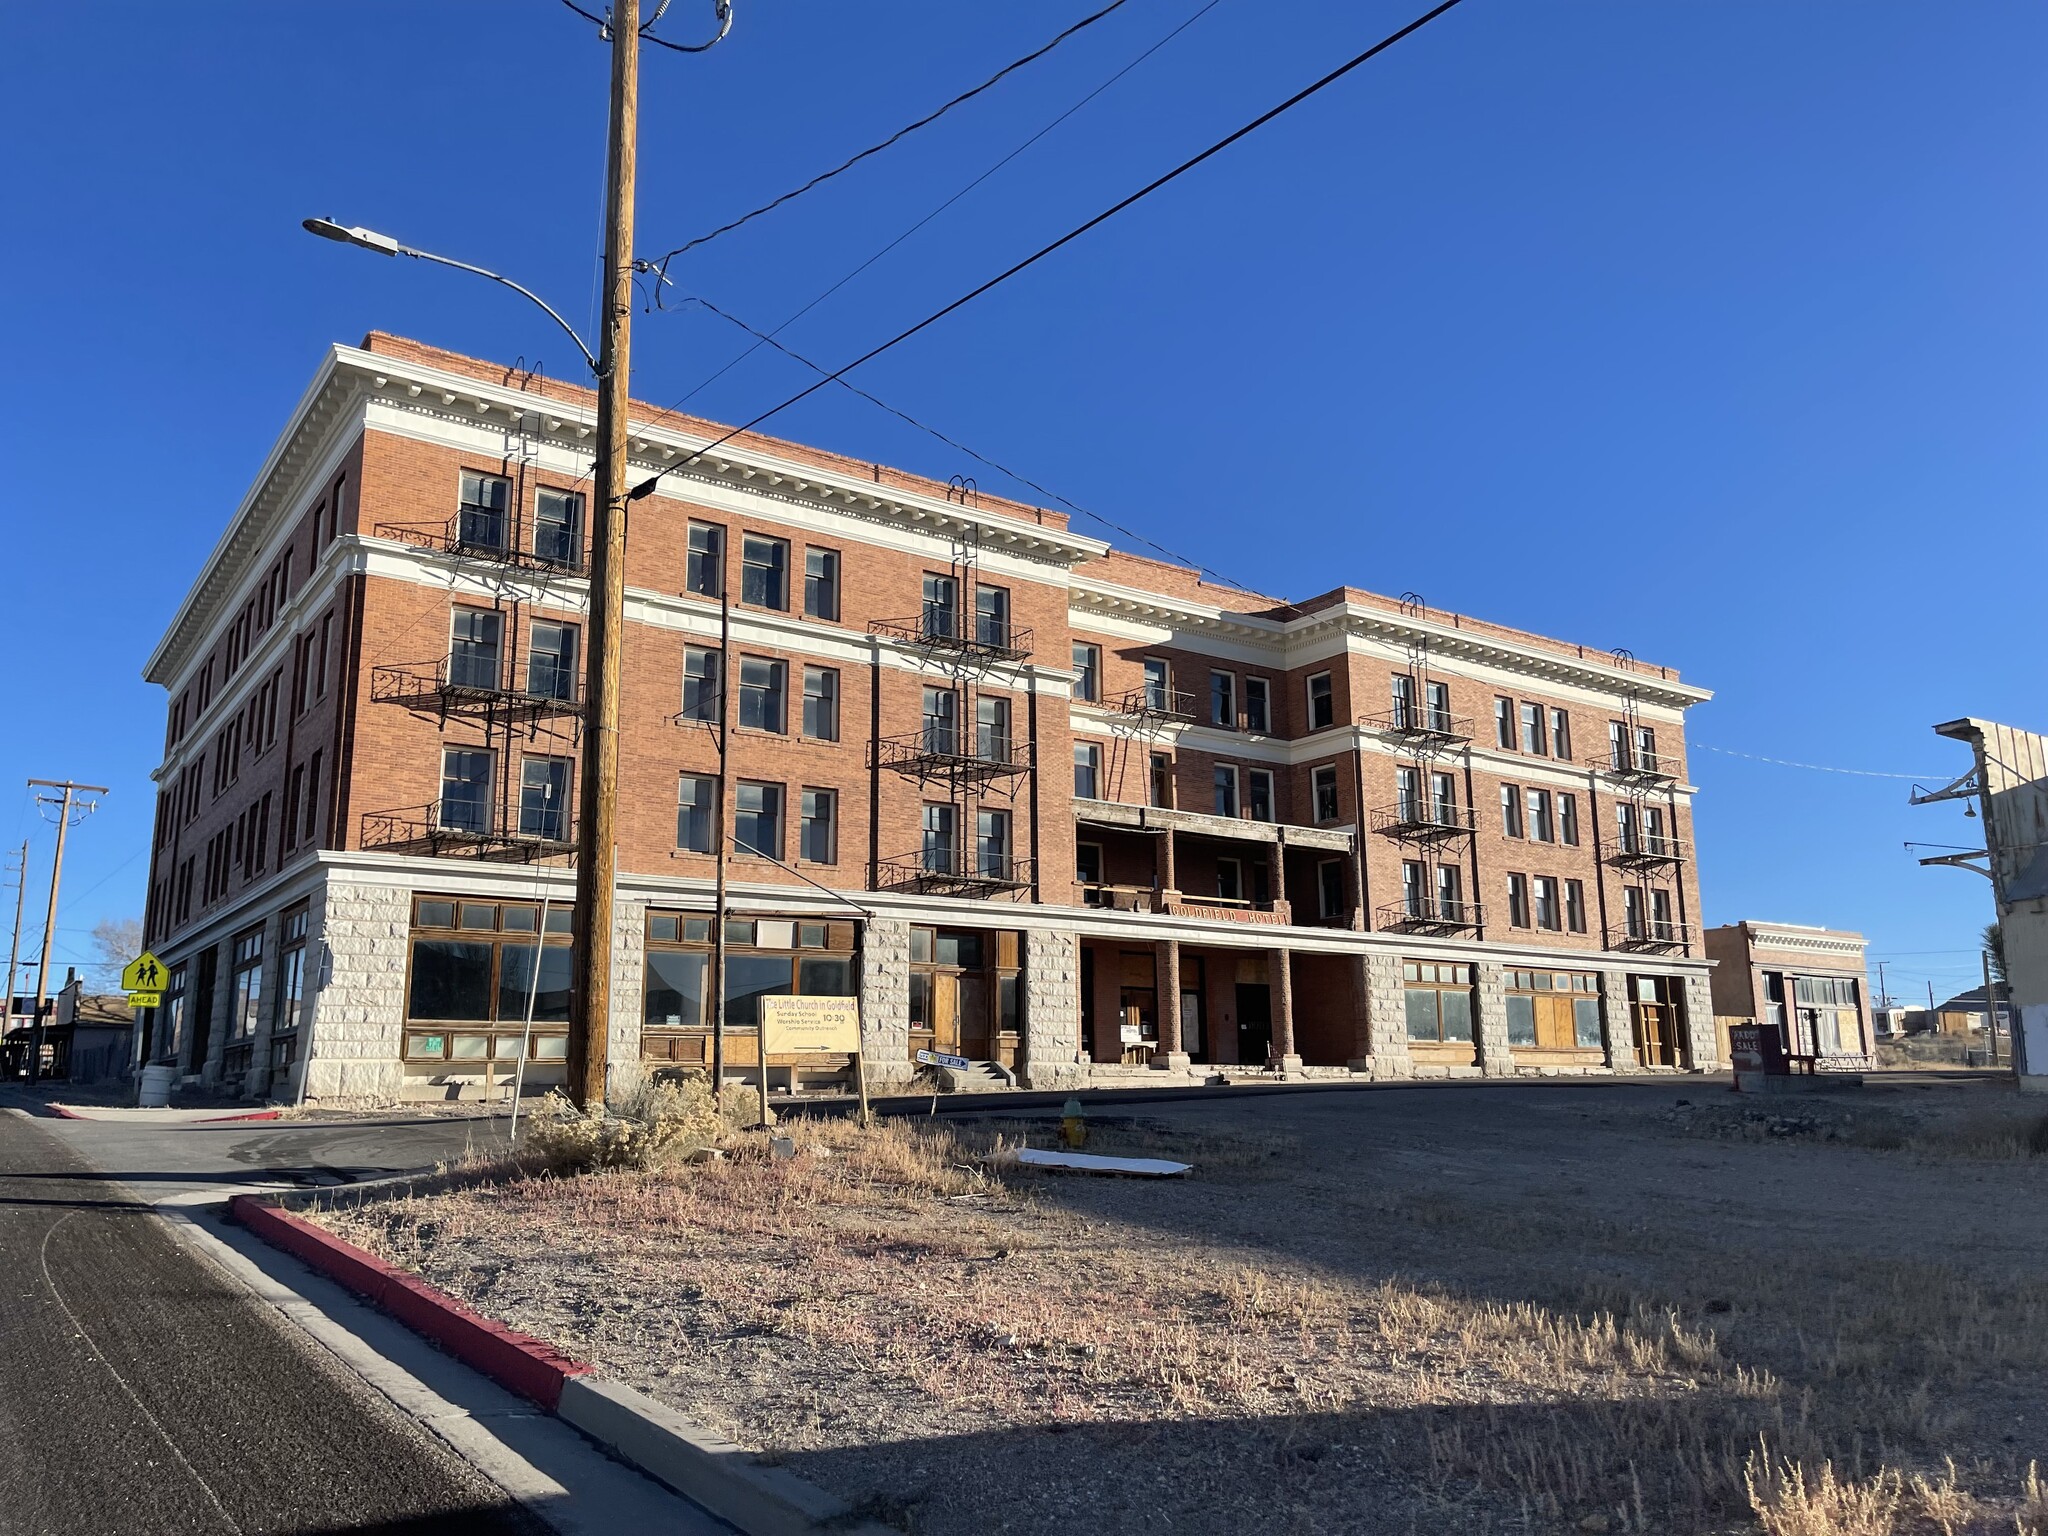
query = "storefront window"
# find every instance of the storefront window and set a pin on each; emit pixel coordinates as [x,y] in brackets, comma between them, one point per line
[1438,999]
[764,957]
[1554,1010]
[472,973]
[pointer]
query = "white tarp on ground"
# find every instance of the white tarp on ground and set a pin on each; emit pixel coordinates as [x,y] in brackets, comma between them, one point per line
[1086,1162]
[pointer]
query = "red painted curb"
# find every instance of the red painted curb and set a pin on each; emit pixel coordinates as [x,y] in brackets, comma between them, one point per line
[65,1114]
[514,1360]
[254,1114]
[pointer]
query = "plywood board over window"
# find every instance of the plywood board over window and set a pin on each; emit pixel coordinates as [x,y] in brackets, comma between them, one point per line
[1554,1017]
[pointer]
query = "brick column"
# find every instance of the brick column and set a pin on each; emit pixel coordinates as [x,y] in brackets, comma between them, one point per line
[1169,1056]
[1383,1049]
[1163,875]
[1280,978]
[1496,1058]
[1620,1032]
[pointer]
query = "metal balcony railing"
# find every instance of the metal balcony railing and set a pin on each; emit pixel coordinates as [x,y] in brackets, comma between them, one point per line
[1422,821]
[495,538]
[1149,704]
[1634,766]
[953,755]
[1427,915]
[1421,726]
[944,871]
[1648,934]
[469,829]
[949,630]
[1644,850]
[471,684]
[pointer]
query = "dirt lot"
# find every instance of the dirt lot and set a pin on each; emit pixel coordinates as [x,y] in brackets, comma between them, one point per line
[1599,1307]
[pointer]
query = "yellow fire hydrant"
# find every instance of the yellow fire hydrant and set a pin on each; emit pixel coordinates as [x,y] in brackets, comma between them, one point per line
[1073,1125]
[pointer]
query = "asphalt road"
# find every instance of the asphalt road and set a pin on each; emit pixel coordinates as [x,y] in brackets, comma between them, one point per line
[141,1390]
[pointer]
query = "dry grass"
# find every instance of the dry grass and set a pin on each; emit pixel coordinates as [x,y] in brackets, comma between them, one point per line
[891,1290]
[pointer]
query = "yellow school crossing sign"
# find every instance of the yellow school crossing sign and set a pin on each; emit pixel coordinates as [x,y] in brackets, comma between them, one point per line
[143,981]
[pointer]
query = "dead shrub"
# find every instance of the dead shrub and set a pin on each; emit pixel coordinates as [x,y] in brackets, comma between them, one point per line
[656,1123]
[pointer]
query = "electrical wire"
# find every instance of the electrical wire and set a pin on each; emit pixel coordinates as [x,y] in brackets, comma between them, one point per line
[1781,762]
[646,487]
[604,27]
[661,262]
[949,202]
[768,339]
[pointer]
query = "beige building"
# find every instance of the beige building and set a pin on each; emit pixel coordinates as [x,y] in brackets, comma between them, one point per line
[1810,983]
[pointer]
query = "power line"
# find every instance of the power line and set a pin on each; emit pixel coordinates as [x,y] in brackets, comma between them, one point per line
[768,339]
[647,486]
[604,26]
[1861,773]
[949,202]
[661,263]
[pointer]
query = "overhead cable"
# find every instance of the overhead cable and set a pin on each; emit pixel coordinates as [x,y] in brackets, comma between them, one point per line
[660,263]
[647,486]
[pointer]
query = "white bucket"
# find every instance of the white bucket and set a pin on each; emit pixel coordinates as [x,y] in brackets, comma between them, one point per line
[156,1086]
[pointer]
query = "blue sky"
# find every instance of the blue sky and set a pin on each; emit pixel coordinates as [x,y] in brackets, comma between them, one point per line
[1712,330]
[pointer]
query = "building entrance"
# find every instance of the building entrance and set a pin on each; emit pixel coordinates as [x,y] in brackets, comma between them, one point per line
[1254,1023]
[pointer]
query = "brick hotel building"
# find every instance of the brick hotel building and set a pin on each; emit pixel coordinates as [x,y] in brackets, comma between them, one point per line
[1071,813]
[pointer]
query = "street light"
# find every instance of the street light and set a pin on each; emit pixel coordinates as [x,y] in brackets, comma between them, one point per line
[385,245]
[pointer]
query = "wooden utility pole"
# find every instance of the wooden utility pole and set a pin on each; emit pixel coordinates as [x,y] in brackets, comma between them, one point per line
[596,842]
[69,795]
[14,953]
[1990,1006]
[720,844]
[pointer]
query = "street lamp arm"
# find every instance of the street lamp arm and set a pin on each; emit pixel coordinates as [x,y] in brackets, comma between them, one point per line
[519,288]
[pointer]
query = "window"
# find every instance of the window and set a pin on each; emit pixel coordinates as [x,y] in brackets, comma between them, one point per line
[941,733]
[992,617]
[1548,917]
[1627,831]
[1438,1001]
[1229,880]
[246,1002]
[1158,683]
[1226,790]
[1504,724]
[1518,901]
[757,818]
[1330,888]
[312,801]
[1087,770]
[1575,905]
[764,571]
[473,648]
[1408,793]
[1443,799]
[1510,811]
[1439,706]
[821,703]
[1534,740]
[992,730]
[1561,734]
[558,528]
[821,584]
[1450,895]
[1323,792]
[291,975]
[1568,819]
[700,683]
[551,662]
[761,695]
[1553,1010]
[1646,748]
[1259,794]
[992,845]
[1223,700]
[1660,915]
[940,839]
[764,959]
[1541,828]
[1322,703]
[694,795]
[1414,889]
[1088,864]
[487,967]
[1404,702]
[705,575]
[480,520]
[1088,673]
[1258,706]
[1617,744]
[1162,780]
[941,617]
[544,797]
[465,791]
[817,839]
[1633,917]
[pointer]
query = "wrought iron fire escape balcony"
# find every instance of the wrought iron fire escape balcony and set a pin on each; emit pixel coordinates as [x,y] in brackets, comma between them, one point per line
[1423,821]
[1645,850]
[1156,706]
[946,632]
[1428,916]
[1647,769]
[1649,934]
[493,538]
[944,754]
[944,871]
[1420,727]
[459,685]
[466,829]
